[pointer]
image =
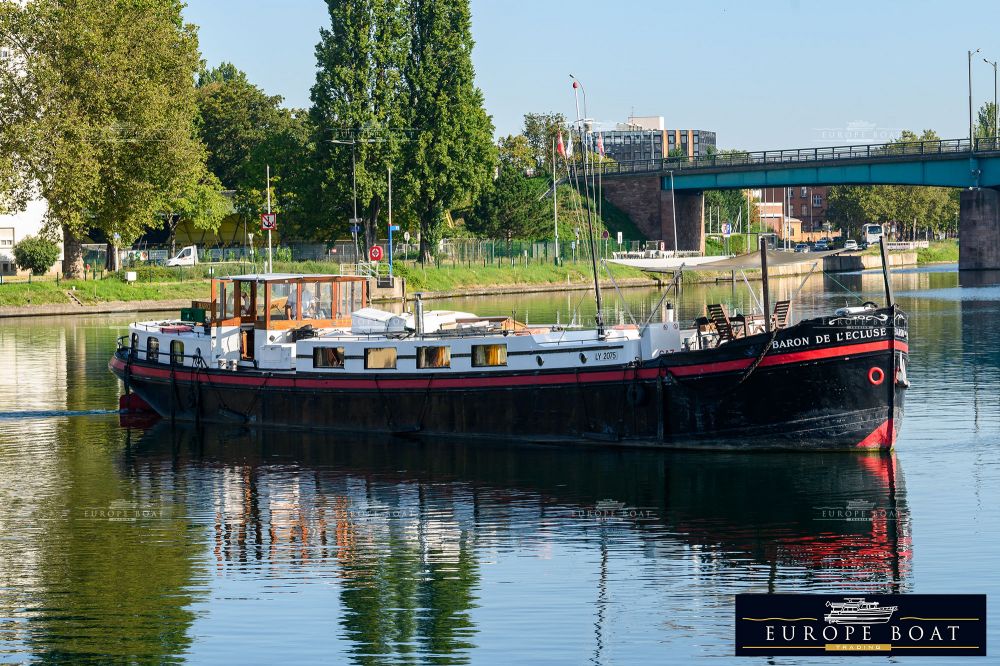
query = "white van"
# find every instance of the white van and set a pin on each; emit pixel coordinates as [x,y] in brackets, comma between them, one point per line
[186,257]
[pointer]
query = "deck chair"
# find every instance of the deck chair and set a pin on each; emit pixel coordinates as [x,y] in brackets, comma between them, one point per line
[781,312]
[717,313]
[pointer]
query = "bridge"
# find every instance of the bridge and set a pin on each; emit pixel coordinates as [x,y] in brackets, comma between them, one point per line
[643,188]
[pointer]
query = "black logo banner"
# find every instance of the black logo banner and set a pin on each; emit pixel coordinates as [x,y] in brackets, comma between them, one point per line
[861,624]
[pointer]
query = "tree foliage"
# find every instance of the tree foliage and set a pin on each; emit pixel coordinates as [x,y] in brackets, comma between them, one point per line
[512,207]
[99,111]
[235,119]
[540,131]
[451,158]
[36,254]
[360,108]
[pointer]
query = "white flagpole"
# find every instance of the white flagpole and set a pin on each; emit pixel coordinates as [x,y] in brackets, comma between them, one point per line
[270,258]
[555,207]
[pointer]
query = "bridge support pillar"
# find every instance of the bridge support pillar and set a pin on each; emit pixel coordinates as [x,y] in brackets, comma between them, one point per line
[690,220]
[650,207]
[979,229]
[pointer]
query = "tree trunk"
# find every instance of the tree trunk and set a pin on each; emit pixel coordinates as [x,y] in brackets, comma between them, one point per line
[112,264]
[371,222]
[72,254]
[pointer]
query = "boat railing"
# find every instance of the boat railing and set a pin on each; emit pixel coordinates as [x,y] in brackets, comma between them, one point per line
[124,344]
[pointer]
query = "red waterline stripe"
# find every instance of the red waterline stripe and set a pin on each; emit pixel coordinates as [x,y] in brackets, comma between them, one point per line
[515,380]
[790,357]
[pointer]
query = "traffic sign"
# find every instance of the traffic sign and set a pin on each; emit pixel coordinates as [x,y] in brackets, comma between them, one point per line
[727,229]
[619,233]
[355,228]
[605,234]
[406,236]
[375,253]
[394,227]
[268,221]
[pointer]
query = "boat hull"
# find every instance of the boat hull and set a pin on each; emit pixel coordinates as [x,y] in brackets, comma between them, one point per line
[819,385]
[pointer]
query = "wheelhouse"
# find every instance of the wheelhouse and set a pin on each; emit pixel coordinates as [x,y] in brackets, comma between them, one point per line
[282,302]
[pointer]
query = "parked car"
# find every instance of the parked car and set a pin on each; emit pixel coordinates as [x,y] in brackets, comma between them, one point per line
[850,245]
[802,247]
[821,245]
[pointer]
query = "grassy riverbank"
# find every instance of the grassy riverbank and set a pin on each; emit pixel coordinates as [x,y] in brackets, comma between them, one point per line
[161,284]
[939,252]
[167,284]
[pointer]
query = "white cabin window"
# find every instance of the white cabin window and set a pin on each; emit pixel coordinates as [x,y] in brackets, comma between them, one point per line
[380,358]
[433,357]
[488,355]
[328,357]
[176,352]
[152,349]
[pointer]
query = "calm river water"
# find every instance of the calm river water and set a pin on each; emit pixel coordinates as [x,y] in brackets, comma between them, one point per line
[232,546]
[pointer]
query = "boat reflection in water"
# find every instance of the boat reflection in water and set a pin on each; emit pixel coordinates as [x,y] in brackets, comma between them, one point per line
[404,529]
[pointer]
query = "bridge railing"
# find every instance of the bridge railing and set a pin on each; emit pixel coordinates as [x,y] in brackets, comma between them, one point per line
[795,155]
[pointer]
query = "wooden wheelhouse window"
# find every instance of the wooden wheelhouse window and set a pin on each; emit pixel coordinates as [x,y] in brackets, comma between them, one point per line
[380,358]
[433,357]
[328,357]
[176,352]
[485,356]
[152,349]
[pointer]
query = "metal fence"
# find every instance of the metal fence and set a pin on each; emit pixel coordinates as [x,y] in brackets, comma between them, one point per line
[449,252]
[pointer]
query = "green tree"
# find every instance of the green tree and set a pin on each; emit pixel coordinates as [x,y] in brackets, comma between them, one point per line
[359,108]
[36,254]
[540,130]
[514,152]
[512,207]
[235,119]
[99,112]
[986,121]
[201,203]
[451,159]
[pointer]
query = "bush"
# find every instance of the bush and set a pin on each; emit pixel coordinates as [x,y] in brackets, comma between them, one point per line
[36,254]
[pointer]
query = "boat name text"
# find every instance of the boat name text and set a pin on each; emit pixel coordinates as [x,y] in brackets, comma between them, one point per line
[826,338]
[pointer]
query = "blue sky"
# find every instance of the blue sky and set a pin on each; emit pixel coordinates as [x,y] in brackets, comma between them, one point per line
[779,74]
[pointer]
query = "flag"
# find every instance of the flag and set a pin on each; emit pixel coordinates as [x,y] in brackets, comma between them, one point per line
[600,145]
[569,146]
[559,146]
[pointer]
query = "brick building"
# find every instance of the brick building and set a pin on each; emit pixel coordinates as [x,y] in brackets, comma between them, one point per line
[806,203]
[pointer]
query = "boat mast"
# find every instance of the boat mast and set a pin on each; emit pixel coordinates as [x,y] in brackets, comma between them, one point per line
[765,295]
[590,222]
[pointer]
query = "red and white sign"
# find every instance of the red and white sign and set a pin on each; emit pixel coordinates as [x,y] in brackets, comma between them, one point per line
[375,253]
[268,221]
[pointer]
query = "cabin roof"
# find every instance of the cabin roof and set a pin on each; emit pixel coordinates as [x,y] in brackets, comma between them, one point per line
[283,277]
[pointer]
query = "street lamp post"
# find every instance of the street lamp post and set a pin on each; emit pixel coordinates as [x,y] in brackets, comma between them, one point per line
[972,137]
[996,113]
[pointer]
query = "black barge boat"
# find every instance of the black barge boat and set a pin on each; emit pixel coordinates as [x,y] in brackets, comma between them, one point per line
[305,351]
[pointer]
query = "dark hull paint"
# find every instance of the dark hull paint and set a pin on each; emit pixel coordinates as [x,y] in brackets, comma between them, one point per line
[812,390]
